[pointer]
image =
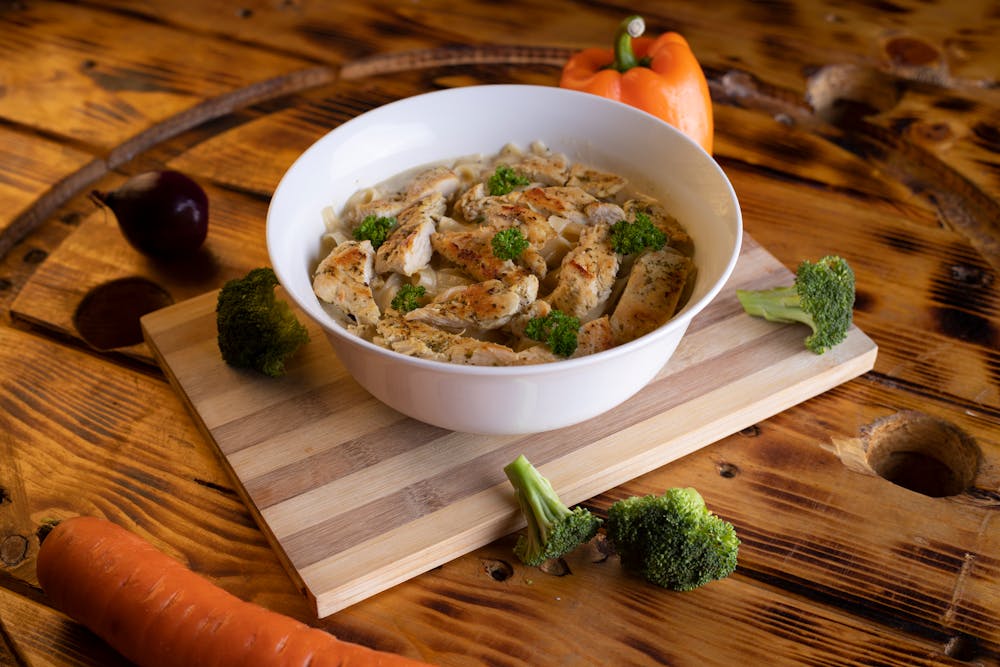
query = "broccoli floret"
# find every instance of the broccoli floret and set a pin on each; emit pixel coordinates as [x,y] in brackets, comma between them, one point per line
[821,297]
[508,243]
[375,229]
[553,529]
[557,330]
[408,297]
[504,180]
[631,237]
[672,540]
[255,329]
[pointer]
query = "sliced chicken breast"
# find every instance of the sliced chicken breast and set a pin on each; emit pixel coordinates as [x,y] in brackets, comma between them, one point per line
[550,169]
[438,180]
[586,275]
[566,202]
[597,183]
[473,252]
[486,305]
[344,279]
[408,248]
[651,294]
[418,339]
[594,336]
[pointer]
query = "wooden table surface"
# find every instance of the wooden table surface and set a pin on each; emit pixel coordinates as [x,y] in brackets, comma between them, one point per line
[869,515]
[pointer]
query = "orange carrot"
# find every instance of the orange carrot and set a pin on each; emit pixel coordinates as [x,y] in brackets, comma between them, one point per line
[158,613]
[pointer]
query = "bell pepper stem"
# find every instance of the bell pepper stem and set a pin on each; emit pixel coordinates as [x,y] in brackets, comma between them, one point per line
[632,26]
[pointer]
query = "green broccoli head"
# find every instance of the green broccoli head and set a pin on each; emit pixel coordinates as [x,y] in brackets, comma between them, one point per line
[672,540]
[553,529]
[822,297]
[255,329]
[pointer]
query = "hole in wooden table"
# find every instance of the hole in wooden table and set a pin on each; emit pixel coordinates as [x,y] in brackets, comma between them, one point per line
[843,95]
[922,453]
[108,315]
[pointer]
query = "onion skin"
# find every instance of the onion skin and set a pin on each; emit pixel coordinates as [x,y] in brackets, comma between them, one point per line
[161,213]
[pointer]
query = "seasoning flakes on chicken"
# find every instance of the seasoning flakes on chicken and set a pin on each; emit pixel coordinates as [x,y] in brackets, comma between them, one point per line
[408,248]
[418,339]
[344,279]
[587,274]
[651,295]
[486,305]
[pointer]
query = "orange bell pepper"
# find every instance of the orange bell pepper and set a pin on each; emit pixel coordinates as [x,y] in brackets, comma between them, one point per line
[660,76]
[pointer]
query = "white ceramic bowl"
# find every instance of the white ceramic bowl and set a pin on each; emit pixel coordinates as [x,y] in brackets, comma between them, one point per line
[482,119]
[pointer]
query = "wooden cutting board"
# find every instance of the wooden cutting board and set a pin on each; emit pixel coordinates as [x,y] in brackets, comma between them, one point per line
[356,498]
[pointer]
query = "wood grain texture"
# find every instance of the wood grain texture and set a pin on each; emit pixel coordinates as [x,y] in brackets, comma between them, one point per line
[117,77]
[35,176]
[870,129]
[421,495]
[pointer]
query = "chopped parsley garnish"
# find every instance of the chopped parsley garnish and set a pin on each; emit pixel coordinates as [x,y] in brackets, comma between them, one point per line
[504,180]
[375,229]
[631,237]
[509,243]
[408,297]
[557,330]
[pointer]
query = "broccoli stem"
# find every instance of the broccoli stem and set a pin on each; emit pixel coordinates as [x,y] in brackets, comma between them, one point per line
[780,304]
[553,529]
[539,501]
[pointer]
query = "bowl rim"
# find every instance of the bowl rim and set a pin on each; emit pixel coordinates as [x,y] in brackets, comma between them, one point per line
[677,323]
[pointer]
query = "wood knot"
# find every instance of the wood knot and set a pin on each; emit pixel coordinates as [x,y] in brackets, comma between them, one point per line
[499,570]
[913,58]
[911,52]
[13,549]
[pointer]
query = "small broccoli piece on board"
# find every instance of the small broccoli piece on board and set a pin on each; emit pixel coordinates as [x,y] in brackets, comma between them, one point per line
[553,529]
[822,297]
[256,329]
[672,540]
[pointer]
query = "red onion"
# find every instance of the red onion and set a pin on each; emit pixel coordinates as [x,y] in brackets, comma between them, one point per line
[161,213]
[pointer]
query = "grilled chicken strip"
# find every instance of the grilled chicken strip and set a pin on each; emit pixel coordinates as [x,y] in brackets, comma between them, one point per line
[551,169]
[384,207]
[408,248]
[594,336]
[486,305]
[651,295]
[472,251]
[471,202]
[344,279]
[418,339]
[500,213]
[587,274]
[439,180]
[598,183]
[566,202]
[603,213]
